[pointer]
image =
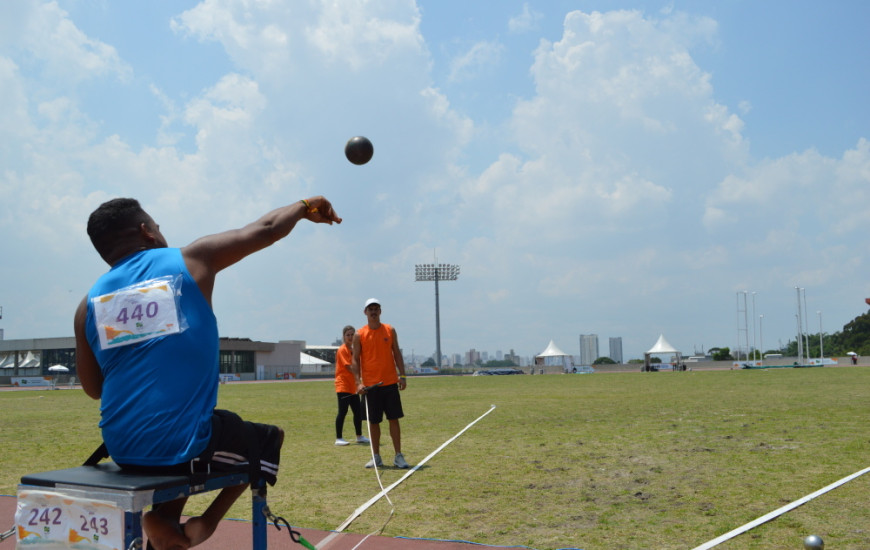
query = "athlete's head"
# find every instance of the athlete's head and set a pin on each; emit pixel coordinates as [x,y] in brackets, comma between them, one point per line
[373,310]
[119,224]
[347,334]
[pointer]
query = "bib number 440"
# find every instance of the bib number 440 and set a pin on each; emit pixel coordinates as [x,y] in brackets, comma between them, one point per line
[151,310]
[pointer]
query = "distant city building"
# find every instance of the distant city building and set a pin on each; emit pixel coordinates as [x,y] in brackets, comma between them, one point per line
[588,349]
[616,349]
[472,356]
[499,356]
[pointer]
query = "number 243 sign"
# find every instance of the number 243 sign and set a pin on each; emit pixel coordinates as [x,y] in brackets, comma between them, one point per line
[50,520]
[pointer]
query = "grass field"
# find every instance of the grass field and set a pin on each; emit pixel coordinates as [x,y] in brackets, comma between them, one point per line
[602,461]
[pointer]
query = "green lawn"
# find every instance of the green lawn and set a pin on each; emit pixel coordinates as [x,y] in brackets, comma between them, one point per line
[601,461]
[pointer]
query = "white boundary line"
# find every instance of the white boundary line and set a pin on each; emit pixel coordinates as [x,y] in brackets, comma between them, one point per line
[377,475]
[384,492]
[779,512]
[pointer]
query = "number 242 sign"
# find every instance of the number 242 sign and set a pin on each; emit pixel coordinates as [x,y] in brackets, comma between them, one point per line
[52,520]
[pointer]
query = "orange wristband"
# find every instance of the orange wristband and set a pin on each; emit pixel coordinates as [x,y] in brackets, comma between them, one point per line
[308,206]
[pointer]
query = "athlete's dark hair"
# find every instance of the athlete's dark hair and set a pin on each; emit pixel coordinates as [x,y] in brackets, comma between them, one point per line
[114,220]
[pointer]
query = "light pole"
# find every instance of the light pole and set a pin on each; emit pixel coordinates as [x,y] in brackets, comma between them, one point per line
[800,335]
[437,272]
[754,349]
[761,335]
[745,329]
[806,327]
[821,335]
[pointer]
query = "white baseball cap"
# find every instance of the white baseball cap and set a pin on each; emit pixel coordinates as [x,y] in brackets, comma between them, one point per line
[371,301]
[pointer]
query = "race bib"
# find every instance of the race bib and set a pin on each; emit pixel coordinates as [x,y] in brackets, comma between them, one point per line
[139,312]
[40,520]
[45,520]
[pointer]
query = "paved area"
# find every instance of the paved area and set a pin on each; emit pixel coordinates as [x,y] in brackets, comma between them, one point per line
[236,535]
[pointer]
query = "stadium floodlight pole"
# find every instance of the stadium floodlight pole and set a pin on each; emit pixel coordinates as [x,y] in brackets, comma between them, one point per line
[437,272]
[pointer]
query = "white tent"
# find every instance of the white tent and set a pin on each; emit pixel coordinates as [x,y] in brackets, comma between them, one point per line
[310,364]
[28,361]
[305,359]
[661,347]
[552,351]
[553,356]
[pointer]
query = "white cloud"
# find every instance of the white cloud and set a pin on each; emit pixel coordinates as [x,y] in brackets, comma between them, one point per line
[619,105]
[14,120]
[270,37]
[818,191]
[46,31]
[366,33]
[527,21]
[235,100]
[480,57]
[250,33]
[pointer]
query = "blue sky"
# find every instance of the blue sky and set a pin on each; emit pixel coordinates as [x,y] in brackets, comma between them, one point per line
[623,168]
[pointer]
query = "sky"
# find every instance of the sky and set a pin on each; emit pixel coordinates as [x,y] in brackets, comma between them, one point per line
[620,168]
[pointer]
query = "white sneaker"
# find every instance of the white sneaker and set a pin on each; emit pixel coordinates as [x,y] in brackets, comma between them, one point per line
[399,462]
[341,442]
[362,440]
[375,462]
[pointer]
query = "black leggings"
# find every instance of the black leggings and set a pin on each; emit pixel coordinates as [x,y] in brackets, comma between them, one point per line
[346,400]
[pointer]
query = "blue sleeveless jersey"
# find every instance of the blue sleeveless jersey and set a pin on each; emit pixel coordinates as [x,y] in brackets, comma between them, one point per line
[158,394]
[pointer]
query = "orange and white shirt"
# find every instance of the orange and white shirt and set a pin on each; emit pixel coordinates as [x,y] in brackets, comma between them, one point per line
[344,381]
[377,363]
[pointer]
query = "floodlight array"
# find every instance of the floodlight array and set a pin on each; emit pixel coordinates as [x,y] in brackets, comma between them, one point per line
[436,272]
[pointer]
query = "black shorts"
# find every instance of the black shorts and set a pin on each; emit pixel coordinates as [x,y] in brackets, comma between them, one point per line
[232,444]
[382,400]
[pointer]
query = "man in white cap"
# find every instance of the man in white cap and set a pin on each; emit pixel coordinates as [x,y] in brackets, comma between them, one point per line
[377,361]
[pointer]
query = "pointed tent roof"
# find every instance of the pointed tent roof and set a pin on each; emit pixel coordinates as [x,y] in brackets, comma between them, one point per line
[306,359]
[662,346]
[552,351]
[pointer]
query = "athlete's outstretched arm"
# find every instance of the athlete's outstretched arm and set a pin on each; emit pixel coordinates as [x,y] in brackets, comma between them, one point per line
[207,256]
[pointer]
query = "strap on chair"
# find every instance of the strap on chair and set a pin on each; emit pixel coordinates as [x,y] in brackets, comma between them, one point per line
[99,454]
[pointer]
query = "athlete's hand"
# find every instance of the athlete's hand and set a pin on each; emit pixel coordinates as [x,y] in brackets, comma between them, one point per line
[320,211]
[402,384]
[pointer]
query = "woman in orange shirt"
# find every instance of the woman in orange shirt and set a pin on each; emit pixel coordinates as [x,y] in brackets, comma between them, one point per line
[345,388]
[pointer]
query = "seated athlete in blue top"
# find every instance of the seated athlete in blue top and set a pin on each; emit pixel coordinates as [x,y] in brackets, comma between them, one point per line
[147,347]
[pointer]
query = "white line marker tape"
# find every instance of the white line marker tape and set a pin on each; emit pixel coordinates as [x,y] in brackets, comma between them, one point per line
[384,492]
[779,512]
